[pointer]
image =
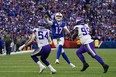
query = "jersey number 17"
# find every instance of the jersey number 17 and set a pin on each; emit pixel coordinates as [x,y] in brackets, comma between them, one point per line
[58,30]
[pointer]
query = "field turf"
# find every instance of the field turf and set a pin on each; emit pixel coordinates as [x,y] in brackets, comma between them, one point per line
[21,65]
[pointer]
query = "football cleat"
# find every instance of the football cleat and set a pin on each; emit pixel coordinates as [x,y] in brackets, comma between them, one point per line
[42,68]
[53,71]
[72,65]
[57,61]
[105,66]
[85,66]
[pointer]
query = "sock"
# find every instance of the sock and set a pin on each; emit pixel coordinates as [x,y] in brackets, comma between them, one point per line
[40,64]
[99,59]
[50,67]
[66,58]
[84,63]
[44,61]
[59,51]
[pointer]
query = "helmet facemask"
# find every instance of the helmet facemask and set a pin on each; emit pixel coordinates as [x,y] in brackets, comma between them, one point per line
[58,17]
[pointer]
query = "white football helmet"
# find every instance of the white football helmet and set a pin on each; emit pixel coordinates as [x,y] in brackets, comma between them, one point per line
[58,16]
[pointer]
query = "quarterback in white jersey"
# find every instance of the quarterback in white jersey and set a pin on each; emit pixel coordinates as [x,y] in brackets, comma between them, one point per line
[82,31]
[42,38]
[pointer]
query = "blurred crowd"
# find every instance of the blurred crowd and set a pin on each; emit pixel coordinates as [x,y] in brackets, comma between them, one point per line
[18,17]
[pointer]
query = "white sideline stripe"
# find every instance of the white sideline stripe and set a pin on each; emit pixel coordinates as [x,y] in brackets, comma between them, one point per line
[18,71]
[21,52]
[14,66]
[18,52]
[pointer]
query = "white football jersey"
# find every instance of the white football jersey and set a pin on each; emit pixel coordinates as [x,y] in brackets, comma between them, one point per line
[41,36]
[83,33]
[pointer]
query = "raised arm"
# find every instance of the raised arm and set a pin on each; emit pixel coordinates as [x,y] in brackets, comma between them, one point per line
[47,20]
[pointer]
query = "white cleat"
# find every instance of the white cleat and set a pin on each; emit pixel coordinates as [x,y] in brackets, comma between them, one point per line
[42,68]
[57,61]
[53,71]
[72,65]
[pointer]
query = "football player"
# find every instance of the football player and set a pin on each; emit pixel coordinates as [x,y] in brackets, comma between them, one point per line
[58,26]
[42,38]
[82,31]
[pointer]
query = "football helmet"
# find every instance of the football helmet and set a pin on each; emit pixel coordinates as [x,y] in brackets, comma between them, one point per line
[79,20]
[41,23]
[58,16]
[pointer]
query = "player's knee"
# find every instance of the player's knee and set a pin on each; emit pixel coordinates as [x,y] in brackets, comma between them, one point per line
[32,56]
[93,56]
[42,59]
[60,46]
[77,52]
[62,51]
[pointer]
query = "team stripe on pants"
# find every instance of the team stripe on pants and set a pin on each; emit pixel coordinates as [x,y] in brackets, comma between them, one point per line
[90,50]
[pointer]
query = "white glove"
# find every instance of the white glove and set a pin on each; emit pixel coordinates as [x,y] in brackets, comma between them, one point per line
[21,47]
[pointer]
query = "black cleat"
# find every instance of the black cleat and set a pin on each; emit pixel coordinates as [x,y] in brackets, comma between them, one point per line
[105,66]
[85,66]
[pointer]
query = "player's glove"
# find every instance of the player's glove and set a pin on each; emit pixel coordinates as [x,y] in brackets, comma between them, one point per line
[21,47]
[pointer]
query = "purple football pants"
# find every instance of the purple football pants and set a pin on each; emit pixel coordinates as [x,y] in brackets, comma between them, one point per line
[89,48]
[43,53]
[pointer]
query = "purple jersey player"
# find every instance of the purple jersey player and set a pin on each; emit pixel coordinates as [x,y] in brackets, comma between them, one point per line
[42,37]
[82,31]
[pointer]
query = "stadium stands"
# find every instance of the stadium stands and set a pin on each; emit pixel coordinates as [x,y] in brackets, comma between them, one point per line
[19,16]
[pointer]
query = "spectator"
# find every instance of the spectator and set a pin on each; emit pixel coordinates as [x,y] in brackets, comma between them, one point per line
[18,17]
[1,44]
[7,39]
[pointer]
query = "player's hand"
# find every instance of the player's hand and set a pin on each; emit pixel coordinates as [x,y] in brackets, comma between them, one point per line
[21,47]
[45,16]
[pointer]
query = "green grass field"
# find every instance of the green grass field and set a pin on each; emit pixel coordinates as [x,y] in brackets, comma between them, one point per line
[21,65]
